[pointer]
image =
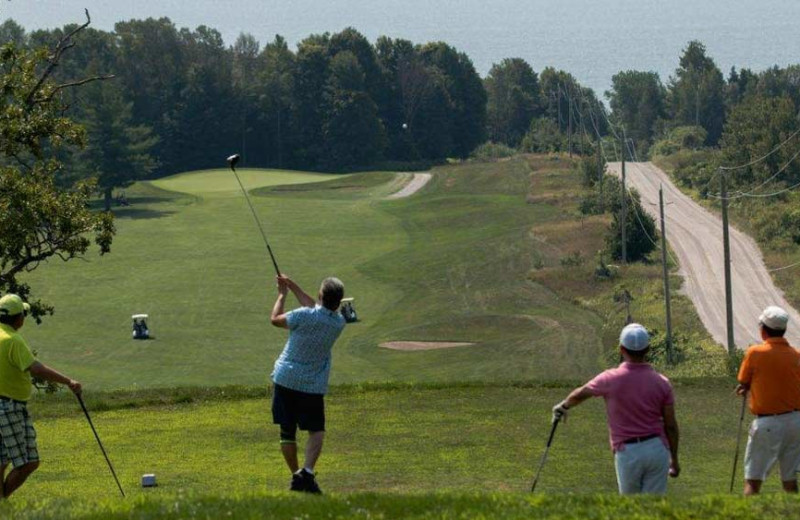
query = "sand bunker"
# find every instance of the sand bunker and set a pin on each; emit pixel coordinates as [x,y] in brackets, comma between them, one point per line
[422,345]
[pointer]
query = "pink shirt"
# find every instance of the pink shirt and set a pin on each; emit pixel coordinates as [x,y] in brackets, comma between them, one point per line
[635,396]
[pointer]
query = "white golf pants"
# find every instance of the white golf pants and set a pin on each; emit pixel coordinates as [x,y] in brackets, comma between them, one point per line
[642,467]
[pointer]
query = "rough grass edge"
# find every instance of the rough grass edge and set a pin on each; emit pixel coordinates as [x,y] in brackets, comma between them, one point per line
[59,404]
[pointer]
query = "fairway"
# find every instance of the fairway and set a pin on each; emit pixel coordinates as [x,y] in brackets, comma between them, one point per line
[448,264]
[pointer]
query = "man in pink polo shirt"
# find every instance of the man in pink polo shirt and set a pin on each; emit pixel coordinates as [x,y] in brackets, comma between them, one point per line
[641,416]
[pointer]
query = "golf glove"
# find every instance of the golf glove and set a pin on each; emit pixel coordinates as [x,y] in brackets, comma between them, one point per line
[560,412]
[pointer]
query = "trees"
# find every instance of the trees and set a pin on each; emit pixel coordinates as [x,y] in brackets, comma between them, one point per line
[638,101]
[565,100]
[152,67]
[464,88]
[353,135]
[38,220]
[512,89]
[117,152]
[754,128]
[697,92]
[640,227]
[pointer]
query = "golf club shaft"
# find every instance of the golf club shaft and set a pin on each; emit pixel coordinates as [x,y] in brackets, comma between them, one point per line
[544,455]
[738,441]
[258,222]
[89,419]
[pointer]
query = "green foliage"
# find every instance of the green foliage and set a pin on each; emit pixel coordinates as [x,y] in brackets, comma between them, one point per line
[117,152]
[640,232]
[543,137]
[680,138]
[560,91]
[754,128]
[592,170]
[574,259]
[513,93]
[697,92]
[492,151]
[638,101]
[38,220]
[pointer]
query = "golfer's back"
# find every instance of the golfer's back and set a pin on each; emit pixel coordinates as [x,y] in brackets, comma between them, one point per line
[304,365]
[635,396]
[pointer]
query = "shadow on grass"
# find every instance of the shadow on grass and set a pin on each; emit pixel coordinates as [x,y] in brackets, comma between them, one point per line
[140,213]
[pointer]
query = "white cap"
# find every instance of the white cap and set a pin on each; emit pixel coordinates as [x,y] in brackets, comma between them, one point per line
[774,318]
[634,337]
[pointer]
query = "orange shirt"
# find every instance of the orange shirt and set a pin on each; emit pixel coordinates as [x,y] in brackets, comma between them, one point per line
[772,370]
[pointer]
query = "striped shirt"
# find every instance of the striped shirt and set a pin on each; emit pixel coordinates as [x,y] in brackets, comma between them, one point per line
[305,363]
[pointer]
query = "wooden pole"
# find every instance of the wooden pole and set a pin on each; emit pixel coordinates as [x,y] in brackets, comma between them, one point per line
[726,243]
[670,356]
[624,217]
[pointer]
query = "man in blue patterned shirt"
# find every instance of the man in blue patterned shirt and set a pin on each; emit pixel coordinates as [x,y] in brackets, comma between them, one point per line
[301,372]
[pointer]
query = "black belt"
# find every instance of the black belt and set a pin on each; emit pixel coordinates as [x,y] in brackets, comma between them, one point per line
[775,414]
[4,398]
[636,440]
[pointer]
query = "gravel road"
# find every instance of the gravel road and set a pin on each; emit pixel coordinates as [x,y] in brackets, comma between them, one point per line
[695,235]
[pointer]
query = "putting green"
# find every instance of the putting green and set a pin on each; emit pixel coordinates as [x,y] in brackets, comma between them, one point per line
[222,180]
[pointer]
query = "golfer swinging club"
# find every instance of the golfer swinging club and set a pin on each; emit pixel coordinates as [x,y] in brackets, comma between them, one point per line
[17,365]
[301,372]
[641,416]
[770,373]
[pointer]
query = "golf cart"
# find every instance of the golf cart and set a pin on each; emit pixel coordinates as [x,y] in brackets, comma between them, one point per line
[140,330]
[348,310]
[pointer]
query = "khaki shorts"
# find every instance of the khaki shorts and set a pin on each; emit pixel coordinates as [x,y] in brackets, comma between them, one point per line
[773,439]
[17,436]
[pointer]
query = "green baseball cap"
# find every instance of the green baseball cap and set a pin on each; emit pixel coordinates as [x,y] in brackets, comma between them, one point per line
[11,305]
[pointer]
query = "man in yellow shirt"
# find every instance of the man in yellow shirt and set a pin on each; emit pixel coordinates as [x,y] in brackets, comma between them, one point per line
[17,365]
[770,374]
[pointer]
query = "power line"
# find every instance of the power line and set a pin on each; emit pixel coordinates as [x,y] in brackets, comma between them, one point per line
[763,157]
[739,194]
[783,268]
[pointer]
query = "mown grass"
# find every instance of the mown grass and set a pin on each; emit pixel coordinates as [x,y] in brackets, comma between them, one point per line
[474,257]
[423,506]
[464,438]
[450,263]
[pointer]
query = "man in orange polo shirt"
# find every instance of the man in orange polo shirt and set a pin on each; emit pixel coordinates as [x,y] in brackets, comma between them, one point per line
[770,373]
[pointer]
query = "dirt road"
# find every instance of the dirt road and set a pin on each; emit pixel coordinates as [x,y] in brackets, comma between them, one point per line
[695,235]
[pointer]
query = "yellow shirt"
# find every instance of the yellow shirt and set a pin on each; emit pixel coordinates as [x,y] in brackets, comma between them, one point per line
[15,360]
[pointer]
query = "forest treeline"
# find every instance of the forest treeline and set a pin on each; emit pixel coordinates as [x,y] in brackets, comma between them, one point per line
[183,100]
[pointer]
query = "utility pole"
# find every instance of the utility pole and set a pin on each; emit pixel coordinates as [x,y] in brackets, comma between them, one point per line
[666,275]
[569,125]
[558,104]
[600,173]
[726,243]
[624,218]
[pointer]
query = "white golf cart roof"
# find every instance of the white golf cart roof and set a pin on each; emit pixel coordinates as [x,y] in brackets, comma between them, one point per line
[139,317]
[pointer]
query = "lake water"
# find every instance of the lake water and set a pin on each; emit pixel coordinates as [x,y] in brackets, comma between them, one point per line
[592,39]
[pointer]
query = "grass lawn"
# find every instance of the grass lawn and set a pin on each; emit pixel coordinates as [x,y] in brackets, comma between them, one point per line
[475,256]
[455,440]
[450,263]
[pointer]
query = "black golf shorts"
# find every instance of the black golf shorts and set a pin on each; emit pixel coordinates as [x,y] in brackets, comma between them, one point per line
[292,409]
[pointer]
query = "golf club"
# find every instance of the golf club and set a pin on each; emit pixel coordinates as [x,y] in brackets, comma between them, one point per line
[114,473]
[738,441]
[232,160]
[544,455]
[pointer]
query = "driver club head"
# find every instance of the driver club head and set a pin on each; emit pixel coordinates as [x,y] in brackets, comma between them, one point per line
[232,160]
